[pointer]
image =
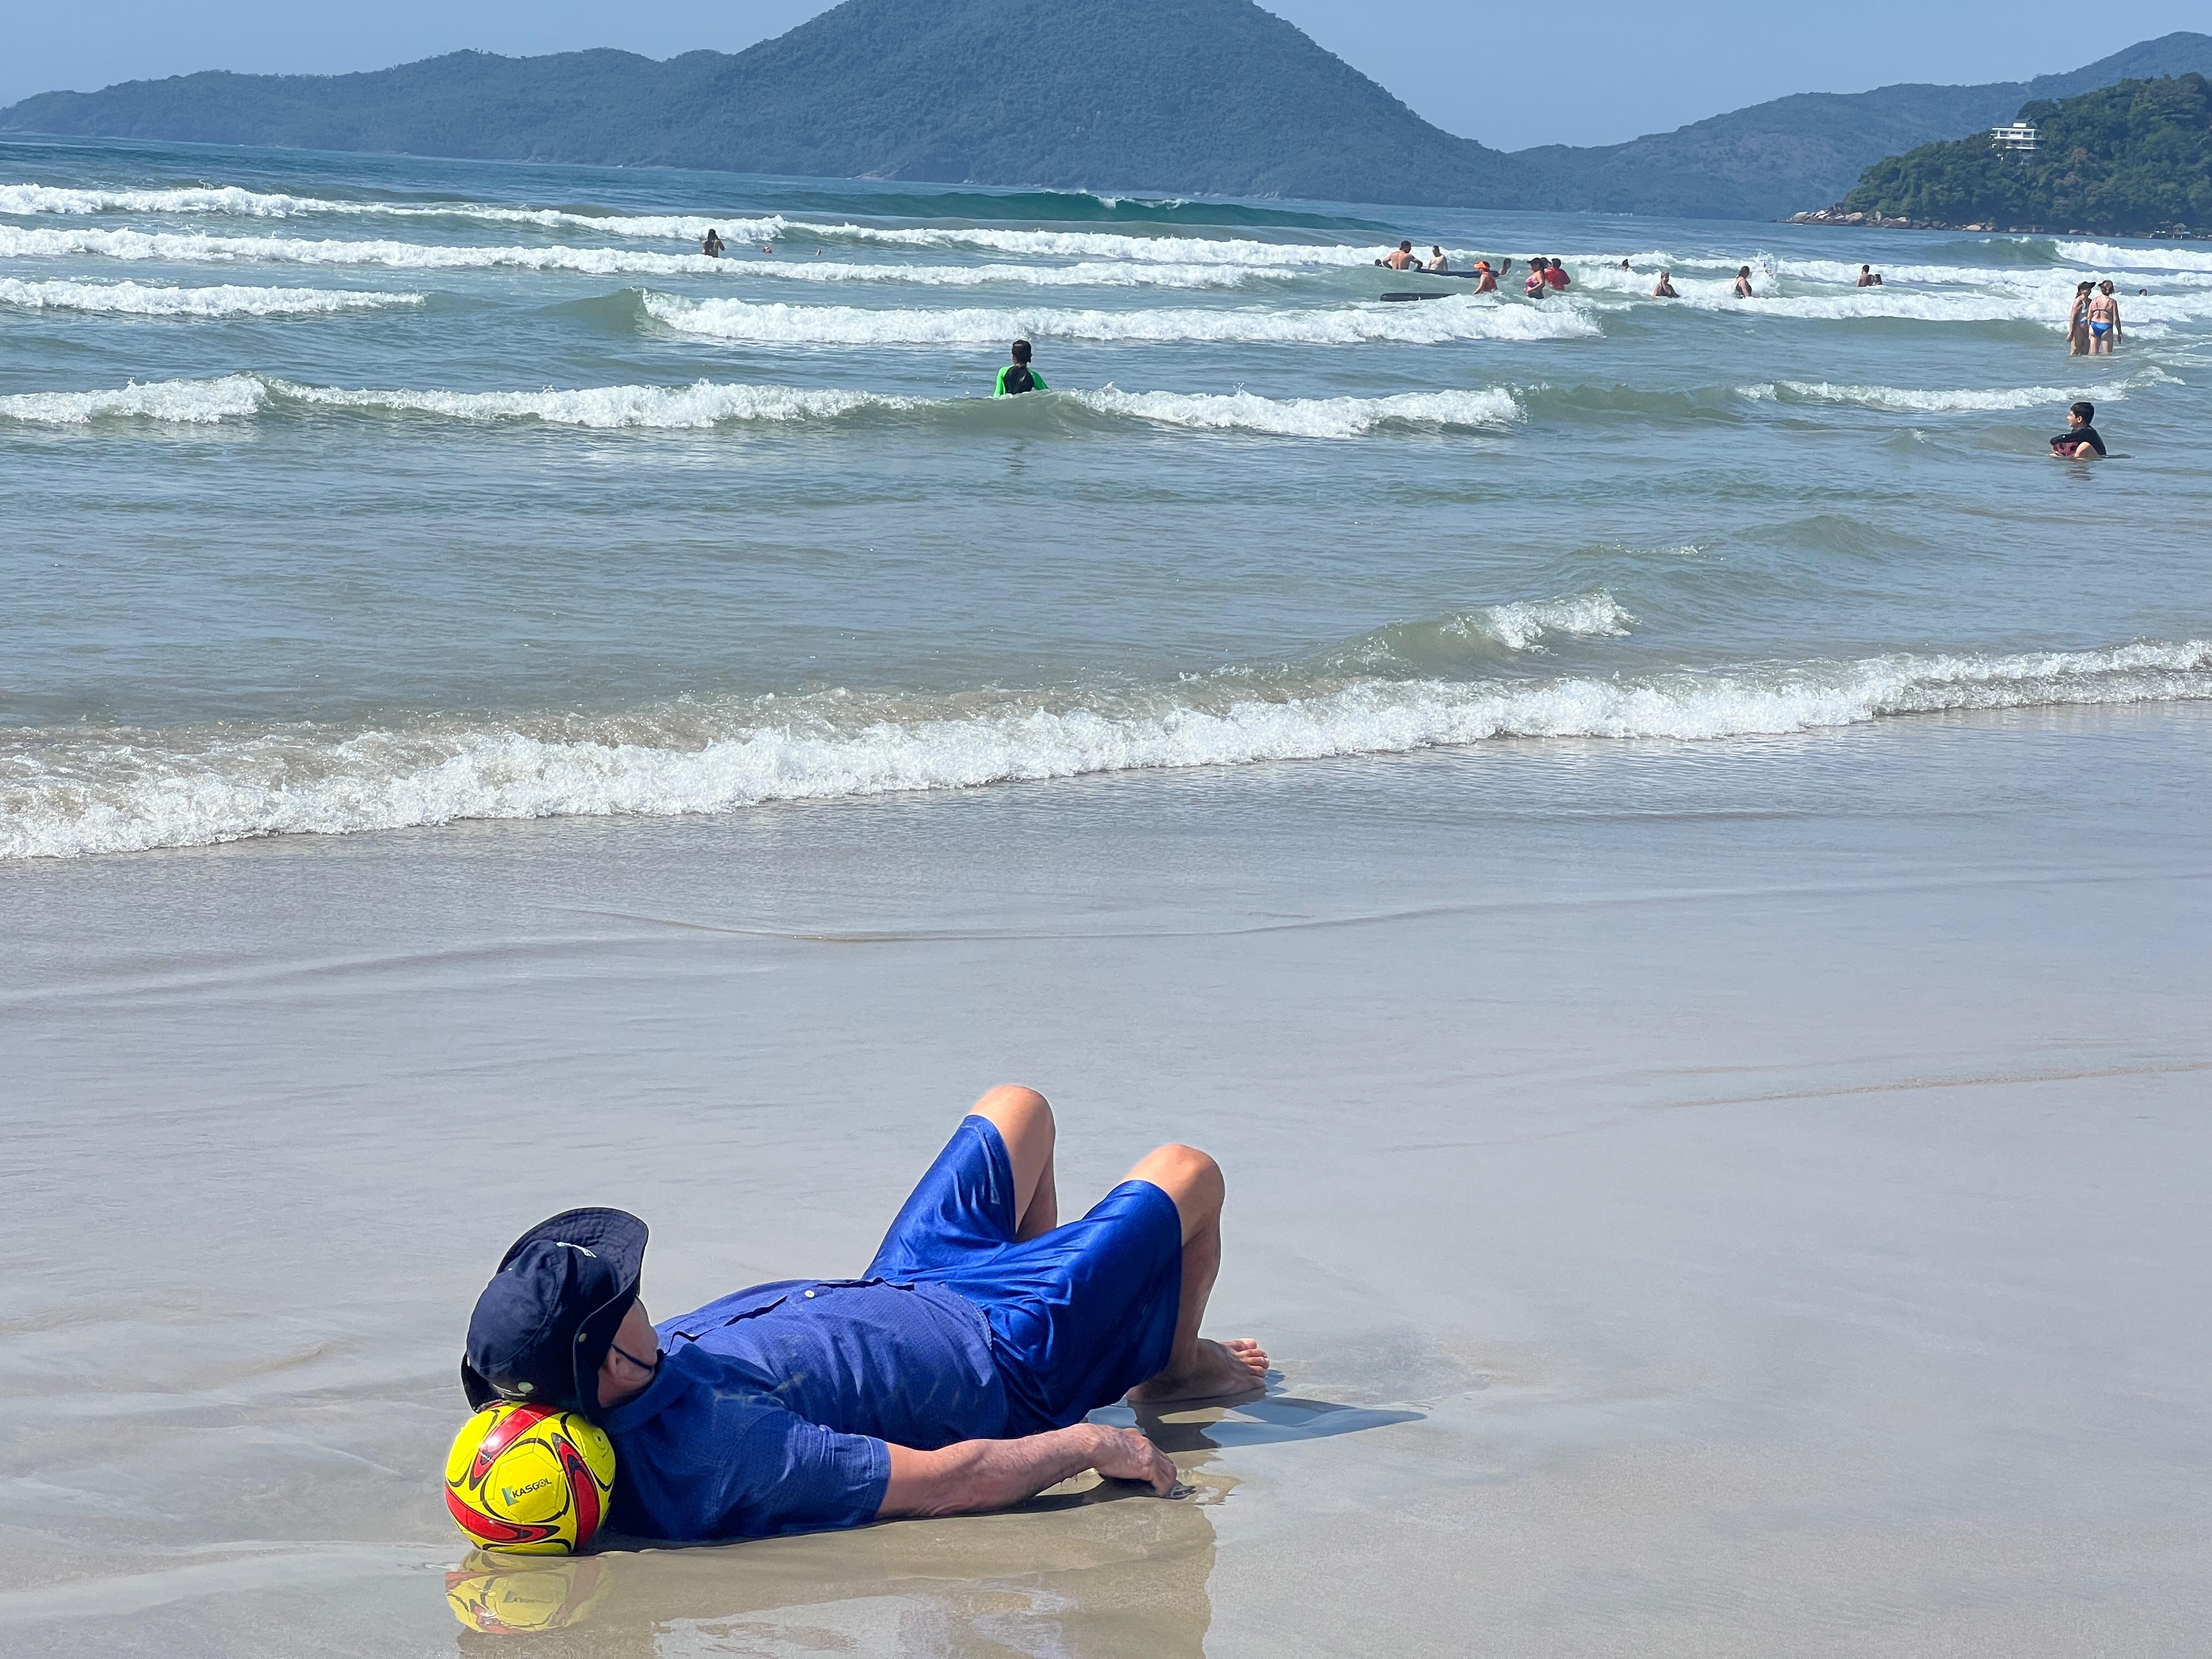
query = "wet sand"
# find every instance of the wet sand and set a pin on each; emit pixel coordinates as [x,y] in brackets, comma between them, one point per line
[1703,1199]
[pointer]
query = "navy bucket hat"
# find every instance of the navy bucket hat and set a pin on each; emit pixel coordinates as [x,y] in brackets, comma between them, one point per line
[543,1324]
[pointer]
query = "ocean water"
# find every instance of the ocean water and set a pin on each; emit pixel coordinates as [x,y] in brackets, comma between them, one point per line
[1661,844]
[350,493]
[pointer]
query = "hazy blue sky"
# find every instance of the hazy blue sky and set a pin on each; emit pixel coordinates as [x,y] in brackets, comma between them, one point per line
[1509,73]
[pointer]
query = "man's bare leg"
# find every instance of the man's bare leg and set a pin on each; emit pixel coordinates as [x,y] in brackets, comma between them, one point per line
[1023,1120]
[1197,1368]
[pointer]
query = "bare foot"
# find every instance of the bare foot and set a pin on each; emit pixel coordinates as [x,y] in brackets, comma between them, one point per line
[1217,1369]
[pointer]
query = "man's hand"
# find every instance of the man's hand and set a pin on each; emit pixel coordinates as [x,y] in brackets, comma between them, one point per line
[989,1474]
[1125,1454]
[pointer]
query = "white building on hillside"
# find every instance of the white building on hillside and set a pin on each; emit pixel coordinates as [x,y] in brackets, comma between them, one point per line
[2019,136]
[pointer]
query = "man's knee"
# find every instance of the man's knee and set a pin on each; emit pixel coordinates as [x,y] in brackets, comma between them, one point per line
[1188,1176]
[1016,1111]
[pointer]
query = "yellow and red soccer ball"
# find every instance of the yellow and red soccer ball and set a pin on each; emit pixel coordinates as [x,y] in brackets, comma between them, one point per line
[529,1480]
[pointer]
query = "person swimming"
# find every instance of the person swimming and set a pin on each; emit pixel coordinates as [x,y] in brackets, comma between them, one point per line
[1555,274]
[1743,283]
[1436,262]
[1536,287]
[2079,441]
[1018,377]
[1870,278]
[711,247]
[1486,279]
[1401,258]
[1664,287]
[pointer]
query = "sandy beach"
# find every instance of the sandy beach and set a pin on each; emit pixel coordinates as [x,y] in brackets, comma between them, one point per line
[1703,1199]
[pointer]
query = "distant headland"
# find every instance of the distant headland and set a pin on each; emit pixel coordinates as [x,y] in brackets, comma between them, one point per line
[2132,159]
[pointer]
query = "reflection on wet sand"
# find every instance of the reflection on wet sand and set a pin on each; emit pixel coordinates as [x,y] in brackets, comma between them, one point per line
[1097,1572]
[1088,1570]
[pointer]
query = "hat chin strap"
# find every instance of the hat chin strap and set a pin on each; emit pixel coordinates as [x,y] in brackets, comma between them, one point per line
[651,1368]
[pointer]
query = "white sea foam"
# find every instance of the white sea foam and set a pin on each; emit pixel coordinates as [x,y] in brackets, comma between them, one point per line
[190,247]
[146,299]
[1430,323]
[193,247]
[67,794]
[2047,309]
[1909,400]
[27,200]
[1845,274]
[708,403]
[1089,273]
[609,407]
[1523,625]
[605,407]
[1518,626]
[2105,256]
[192,402]
[1099,244]
[1306,417]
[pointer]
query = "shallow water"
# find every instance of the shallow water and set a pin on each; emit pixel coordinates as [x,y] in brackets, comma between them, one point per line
[357,492]
[1722,1199]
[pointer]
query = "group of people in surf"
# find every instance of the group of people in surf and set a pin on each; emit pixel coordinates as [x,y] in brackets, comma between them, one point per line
[1546,275]
[2092,323]
[1549,275]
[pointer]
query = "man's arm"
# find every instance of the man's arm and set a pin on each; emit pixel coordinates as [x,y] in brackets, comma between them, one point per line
[990,1474]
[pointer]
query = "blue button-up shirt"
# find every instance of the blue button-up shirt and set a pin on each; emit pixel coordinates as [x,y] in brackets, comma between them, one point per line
[772,1407]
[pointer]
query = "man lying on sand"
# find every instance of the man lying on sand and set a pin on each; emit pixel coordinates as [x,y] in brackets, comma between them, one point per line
[953,1377]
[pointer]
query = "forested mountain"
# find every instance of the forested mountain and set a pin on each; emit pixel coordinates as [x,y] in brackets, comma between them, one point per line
[1210,95]
[2122,160]
[1188,96]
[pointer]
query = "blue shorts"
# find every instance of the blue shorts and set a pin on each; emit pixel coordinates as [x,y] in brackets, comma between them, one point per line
[1079,1316]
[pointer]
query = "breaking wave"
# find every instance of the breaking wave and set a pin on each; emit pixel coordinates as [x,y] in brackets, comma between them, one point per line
[1051,206]
[1449,643]
[77,791]
[191,247]
[1306,417]
[28,200]
[1907,400]
[24,201]
[191,403]
[1434,323]
[1089,273]
[707,403]
[1099,245]
[194,247]
[146,299]
[2107,255]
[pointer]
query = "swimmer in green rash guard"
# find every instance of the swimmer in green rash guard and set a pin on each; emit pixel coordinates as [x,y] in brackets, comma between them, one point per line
[1018,377]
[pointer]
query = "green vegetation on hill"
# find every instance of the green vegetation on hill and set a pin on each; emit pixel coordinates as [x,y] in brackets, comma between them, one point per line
[2124,161]
[1185,96]
[1215,95]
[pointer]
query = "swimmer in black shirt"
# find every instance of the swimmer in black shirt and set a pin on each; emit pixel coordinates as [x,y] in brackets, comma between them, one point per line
[2079,441]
